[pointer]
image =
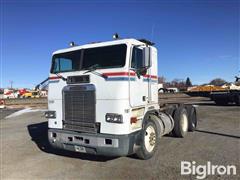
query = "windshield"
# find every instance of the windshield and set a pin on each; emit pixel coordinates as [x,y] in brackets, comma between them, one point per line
[103,57]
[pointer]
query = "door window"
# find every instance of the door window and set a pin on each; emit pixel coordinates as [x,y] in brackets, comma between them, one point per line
[137,58]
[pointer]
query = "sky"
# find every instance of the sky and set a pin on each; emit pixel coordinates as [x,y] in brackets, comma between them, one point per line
[196,39]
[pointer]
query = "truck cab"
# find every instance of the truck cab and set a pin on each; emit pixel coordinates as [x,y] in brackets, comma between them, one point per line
[100,95]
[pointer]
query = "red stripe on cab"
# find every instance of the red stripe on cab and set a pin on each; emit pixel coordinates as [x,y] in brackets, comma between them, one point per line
[120,74]
[150,76]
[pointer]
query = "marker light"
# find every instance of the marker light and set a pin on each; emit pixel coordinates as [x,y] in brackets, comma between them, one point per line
[116,36]
[133,120]
[72,44]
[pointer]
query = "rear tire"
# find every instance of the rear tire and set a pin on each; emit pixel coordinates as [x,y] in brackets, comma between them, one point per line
[192,118]
[148,141]
[180,117]
[170,111]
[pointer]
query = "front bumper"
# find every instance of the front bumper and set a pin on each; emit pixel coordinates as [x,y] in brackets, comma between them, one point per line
[100,144]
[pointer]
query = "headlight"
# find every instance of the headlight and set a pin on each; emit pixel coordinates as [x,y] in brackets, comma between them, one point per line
[113,118]
[50,114]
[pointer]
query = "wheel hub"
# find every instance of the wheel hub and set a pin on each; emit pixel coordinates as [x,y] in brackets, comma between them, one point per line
[150,138]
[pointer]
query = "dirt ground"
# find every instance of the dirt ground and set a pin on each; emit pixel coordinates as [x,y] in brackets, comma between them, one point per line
[26,154]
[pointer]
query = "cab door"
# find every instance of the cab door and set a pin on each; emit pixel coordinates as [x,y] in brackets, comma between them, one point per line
[138,85]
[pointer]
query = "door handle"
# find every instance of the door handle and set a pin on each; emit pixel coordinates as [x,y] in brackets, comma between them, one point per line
[144,98]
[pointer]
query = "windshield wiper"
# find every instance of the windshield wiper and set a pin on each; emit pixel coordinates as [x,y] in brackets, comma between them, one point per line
[93,68]
[63,78]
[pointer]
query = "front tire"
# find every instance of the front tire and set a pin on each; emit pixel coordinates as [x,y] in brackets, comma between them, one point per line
[148,141]
[180,122]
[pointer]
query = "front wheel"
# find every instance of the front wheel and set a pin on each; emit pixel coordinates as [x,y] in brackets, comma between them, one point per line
[149,140]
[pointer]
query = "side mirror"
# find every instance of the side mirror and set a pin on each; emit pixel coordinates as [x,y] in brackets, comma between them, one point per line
[146,61]
[146,57]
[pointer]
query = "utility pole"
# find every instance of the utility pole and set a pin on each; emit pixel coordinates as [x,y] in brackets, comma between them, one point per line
[11,84]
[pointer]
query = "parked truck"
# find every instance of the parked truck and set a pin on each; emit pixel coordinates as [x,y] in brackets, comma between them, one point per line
[103,99]
[31,94]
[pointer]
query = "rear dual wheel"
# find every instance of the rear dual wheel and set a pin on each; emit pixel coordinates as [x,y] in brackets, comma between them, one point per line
[192,117]
[181,123]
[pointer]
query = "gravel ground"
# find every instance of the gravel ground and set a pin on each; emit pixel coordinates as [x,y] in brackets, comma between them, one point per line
[25,152]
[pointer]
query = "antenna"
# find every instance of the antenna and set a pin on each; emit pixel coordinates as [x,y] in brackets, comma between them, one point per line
[152,33]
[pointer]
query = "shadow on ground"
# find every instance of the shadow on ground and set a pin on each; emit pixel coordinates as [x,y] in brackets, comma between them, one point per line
[39,134]
[211,103]
[219,134]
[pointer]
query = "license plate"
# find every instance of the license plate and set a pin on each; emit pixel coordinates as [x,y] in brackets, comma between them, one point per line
[80,149]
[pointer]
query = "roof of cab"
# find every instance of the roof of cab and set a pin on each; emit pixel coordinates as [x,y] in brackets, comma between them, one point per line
[99,44]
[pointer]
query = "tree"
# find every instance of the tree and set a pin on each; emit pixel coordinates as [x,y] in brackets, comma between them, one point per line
[178,83]
[161,79]
[188,82]
[218,82]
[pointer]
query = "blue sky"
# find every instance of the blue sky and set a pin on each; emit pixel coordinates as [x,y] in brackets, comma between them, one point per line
[196,39]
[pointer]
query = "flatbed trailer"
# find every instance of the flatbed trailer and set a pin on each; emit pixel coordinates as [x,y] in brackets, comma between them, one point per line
[225,97]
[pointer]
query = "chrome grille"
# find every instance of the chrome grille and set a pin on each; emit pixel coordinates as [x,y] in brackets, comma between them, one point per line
[79,108]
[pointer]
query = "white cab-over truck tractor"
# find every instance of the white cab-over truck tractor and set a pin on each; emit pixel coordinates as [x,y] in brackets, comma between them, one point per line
[103,99]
